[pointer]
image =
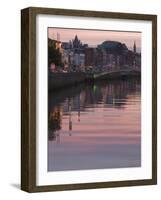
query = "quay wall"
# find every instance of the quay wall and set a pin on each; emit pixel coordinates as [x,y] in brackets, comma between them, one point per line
[62,80]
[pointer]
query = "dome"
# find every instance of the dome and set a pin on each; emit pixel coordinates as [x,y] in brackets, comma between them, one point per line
[113,47]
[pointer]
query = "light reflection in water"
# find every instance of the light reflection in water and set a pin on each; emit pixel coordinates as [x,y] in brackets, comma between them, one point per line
[94,126]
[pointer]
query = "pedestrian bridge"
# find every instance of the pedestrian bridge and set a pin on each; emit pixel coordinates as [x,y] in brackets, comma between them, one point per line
[118,72]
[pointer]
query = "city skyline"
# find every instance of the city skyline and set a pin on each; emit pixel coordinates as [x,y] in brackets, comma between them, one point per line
[96,37]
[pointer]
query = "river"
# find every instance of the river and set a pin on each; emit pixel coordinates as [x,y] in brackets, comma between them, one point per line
[95,126]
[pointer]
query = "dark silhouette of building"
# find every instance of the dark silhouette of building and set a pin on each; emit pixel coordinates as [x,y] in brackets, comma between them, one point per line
[75,45]
[90,55]
[113,47]
[112,54]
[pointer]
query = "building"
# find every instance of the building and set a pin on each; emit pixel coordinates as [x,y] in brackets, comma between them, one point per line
[112,54]
[74,45]
[113,47]
[90,55]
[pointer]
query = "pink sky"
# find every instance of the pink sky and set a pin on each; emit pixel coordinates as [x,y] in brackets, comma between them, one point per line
[94,37]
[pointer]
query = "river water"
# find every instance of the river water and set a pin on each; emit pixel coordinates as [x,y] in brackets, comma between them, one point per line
[95,126]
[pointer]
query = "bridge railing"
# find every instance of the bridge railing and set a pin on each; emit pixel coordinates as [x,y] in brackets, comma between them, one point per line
[119,69]
[122,70]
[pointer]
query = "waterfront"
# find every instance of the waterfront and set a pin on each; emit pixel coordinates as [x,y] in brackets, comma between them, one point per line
[95,126]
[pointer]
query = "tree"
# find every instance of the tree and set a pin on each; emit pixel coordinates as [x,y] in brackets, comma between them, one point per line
[54,55]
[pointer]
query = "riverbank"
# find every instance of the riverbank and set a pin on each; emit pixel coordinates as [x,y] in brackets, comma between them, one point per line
[61,80]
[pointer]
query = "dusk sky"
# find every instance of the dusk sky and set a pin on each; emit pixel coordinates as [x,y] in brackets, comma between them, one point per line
[94,37]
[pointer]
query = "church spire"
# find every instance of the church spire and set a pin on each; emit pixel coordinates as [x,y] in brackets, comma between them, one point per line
[134,47]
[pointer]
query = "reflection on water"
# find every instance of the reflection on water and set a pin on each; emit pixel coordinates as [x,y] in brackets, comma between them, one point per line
[95,126]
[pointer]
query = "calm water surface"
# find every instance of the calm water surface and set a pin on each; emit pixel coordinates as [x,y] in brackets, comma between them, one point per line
[95,126]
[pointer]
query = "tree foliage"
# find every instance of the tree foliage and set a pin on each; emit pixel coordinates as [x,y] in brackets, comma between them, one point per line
[54,55]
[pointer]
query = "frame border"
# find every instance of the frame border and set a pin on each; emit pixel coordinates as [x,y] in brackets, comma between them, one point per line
[28,98]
